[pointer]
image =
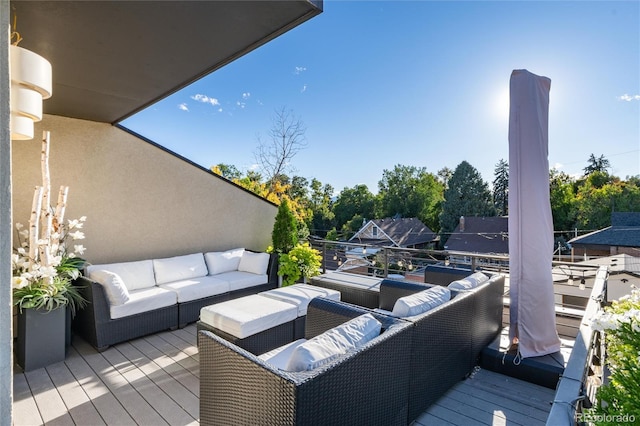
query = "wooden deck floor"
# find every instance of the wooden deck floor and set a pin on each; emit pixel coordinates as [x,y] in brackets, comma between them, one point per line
[154,381]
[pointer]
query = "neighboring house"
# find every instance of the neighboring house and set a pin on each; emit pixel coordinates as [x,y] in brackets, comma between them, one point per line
[485,235]
[623,236]
[488,235]
[400,232]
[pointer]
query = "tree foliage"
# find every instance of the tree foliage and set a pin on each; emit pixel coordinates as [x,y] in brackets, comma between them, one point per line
[501,188]
[353,201]
[467,195]
[285,229]
[410,191]
[595,202]
[599,164]
[562,197]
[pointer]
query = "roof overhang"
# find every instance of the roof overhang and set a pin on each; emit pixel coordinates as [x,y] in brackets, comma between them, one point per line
[111,59]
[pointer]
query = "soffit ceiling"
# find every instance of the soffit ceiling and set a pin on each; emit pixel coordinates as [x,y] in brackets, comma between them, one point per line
[111,59]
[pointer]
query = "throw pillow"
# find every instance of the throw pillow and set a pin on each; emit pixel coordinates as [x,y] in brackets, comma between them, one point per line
[179,268]
[256,263]
[332,343]
[116,290]
[421,302]
[135,275]
[472,281]
[223,261]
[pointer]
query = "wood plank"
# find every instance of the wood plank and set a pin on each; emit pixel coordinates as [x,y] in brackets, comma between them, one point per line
[178,364]
[107,405]
[25,409]
[427,419]
[78,403]
[438,410]
[171,399]
[482,399]
[127,395]
[513,388]
[48,400]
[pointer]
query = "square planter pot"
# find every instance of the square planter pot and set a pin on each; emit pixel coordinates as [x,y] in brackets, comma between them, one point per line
[41,338]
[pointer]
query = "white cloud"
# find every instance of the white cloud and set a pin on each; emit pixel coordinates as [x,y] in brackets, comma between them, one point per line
[304,89]
[219,109]
[254,167]
[205,99]
[183,107]
[246,95]
[241,104]
[299,70]
[629,98]
[558,166]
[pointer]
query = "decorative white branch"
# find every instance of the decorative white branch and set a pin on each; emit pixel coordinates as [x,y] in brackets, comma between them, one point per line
[33,224]
[45,215]
[61,207]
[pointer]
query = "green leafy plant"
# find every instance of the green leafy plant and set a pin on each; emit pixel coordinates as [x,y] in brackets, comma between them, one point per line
[302,261]
[620,323]
[43,277]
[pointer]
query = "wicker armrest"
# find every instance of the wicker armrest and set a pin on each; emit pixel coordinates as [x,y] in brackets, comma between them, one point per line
[366,386]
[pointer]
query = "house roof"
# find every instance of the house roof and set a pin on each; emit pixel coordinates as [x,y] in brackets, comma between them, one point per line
[623,232]
[111,59]
[481,235]
[402,232]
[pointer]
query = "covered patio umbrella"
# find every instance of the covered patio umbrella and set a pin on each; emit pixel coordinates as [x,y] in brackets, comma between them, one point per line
[532,312]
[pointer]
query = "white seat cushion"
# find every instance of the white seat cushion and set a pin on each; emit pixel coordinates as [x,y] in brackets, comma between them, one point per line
[248,315]
[421,302]
[223,261]
[256,263]
[179,268]
[238,280]
[134,275]
[300,295]
[197,288]
[116,291]
[279,357]
[332,343]
[144,300]
[472,281]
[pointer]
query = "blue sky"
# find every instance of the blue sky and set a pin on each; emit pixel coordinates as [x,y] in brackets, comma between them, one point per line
[422,83]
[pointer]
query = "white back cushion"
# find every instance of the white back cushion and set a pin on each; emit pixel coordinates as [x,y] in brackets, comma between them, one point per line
[179,268]
[134,275]
[334,342]
[256,263]
[421,302]
[116,291]
[223,261]
[472,281]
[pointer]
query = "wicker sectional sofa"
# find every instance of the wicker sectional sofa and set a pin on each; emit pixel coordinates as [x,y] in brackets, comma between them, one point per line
[367,386]
[133,299]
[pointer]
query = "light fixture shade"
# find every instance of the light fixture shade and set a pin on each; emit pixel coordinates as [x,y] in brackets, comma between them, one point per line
[31,70]
[21,127]
[26,102]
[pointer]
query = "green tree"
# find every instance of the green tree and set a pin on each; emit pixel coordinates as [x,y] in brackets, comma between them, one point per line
[595,202]
[320,205]
[410,191]
[353,201]
[599,164]
[352,226]
[467,195]
[227,171]
[563,200]
[285,229]
[501,188]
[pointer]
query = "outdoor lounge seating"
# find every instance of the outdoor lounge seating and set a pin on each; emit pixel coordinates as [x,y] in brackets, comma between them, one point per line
[447,338]
[133,299]
[366,385]
[261,322]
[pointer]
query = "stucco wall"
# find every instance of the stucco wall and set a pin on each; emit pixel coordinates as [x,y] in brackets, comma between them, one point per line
[141,202]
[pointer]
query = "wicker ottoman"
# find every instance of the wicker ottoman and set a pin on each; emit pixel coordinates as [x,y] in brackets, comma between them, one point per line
[255,323]
[300,295]
[357,289]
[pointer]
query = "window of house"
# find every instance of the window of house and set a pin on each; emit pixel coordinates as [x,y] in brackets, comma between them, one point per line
[374,231]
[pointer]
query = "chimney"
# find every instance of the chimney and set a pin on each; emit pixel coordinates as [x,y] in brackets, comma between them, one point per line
[461,223]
